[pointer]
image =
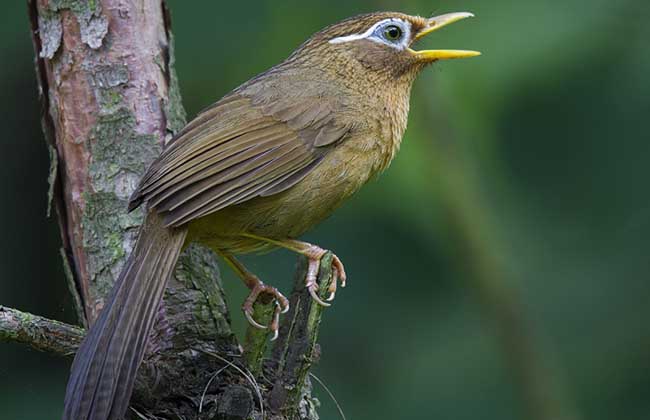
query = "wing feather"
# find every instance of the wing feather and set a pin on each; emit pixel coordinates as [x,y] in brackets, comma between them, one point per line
[216,160]
[234,191]
[247,145]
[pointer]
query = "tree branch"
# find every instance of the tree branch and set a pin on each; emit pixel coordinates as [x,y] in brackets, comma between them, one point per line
[296,350]
[39,333]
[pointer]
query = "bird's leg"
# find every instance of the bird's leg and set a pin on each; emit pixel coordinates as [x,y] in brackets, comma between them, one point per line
[257,288]
[314,254]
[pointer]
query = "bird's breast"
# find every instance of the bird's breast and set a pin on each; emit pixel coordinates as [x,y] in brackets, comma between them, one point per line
[342,172]
[367,150]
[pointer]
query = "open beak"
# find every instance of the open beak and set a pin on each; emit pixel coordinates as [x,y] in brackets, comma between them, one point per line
[433,25]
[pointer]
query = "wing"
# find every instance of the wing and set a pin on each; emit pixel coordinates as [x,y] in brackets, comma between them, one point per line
[247,145]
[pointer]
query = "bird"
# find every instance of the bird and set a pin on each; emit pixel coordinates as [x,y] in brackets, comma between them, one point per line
[253,172]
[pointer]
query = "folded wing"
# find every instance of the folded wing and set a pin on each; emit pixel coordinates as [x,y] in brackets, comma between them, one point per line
[247,145]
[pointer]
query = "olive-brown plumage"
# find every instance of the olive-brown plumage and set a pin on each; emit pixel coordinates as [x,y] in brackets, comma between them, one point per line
[254,171]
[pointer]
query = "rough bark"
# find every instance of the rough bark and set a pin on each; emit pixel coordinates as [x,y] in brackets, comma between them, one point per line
[39,333]
[110,100]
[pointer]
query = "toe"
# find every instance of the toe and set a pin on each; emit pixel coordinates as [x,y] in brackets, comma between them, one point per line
[283,302]
[275,324]
[313,291]
[332,287]
[249,317]
[340,270]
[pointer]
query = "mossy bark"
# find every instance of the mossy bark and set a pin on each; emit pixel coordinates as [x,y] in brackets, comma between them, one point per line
[296,348]
[39,333]
[110,101]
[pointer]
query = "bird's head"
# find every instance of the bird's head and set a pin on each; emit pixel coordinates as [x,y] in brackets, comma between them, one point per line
[382,43]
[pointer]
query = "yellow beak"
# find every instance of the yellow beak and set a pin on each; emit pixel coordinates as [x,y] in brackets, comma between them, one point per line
[433,25]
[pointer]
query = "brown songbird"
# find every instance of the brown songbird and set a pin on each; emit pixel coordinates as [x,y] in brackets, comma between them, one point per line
[253,172]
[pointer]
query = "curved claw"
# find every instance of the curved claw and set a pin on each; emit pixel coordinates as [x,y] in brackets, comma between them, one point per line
[313,291]
[281,306]
[338,274]
[252,321]
[275,324]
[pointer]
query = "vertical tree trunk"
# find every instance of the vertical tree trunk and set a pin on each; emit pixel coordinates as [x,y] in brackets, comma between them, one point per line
[110,100]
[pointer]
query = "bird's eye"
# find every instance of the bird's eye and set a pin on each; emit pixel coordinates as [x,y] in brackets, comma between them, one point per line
[393,33]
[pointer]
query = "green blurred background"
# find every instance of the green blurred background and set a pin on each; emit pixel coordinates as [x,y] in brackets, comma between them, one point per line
[498,270]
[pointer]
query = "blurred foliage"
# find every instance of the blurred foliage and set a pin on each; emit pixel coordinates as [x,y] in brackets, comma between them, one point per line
[519,194]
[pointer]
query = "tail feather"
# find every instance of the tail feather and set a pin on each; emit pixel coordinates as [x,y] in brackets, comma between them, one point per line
[114,345]
[105,366]
[127,372]
[125,366]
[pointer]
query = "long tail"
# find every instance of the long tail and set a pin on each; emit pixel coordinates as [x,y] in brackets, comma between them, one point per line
[105,366]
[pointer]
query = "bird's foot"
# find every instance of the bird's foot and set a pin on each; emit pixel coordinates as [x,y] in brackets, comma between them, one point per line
[281,306]
[315,254]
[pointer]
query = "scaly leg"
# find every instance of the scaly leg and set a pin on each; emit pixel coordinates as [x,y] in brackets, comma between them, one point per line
[257,288]
[314,254]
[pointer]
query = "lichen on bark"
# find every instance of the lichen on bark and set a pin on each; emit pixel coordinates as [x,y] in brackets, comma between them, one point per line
[195,270]
[104,224]
[119,155]
[51,33]
[93,24]
[39,333]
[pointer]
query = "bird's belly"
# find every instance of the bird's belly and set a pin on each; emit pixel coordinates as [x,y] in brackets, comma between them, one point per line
[287,214]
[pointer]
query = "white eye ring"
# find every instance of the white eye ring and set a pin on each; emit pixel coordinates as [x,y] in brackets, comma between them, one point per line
[376,33]
[391,33]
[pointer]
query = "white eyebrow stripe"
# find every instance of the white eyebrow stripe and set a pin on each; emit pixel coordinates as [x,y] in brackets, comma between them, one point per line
[366,34]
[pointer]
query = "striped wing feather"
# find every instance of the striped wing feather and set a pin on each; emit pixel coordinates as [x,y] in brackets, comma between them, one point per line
[240,148]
